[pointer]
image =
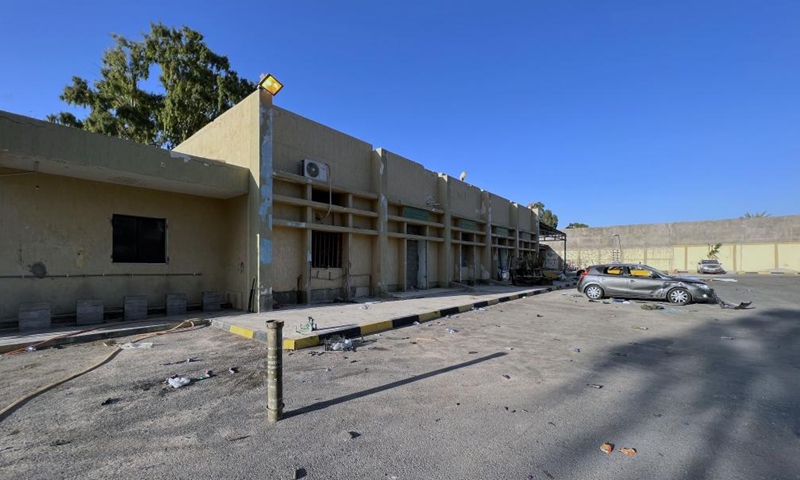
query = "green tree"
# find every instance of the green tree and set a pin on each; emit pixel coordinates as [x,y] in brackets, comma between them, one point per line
[756,215]
[577,225]
[197,85]
[713,250]
[545,216]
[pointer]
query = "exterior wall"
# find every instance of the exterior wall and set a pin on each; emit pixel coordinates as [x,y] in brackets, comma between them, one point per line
[410,183]
[65,224]
[748,245]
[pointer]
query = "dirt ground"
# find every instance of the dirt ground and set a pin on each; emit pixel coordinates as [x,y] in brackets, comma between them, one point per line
[698,391]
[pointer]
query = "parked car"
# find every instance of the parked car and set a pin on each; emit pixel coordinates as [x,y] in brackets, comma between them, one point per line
[643,282]
[710,266]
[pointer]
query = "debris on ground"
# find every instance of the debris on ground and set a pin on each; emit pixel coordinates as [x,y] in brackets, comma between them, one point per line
[132,346]
[472,353]
[188,360]
[636,327]
[452,330]
[178,382]
[415,323]
[58,443]
[594,385]
[235,439]
[307,327]
[607,448]
[507,377]
[575,350]
[350,435]
[628,451]
[345,345]
[539,315]
[315,353]
[477,310]
[299,473]
[108,401]
[233,370]
[652,306]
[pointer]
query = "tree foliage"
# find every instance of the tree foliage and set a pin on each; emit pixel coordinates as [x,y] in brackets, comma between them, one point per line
[196,86]
[713,250]
[545,216]
[756,215]
[577,225]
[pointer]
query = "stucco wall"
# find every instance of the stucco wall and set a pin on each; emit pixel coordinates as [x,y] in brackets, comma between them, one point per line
[410,182]
[754,244]
[297,138]
[65,224]
[465,199]
[501,209]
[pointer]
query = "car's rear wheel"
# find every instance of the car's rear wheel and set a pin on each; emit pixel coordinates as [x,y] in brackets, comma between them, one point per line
[594,292]
[679,296]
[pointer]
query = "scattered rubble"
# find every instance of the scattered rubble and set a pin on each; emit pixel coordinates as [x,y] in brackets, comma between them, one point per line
[607,448]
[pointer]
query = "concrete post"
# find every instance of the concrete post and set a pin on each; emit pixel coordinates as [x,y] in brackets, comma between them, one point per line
[380,185]
[274,370]
[446,258]
[266,134]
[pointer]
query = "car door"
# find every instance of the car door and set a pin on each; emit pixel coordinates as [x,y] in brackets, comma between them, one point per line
[614,280]
[643,283]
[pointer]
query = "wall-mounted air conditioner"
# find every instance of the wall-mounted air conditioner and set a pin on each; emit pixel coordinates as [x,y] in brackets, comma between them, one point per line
[315,170]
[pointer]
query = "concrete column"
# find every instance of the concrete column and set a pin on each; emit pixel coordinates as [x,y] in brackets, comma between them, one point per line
[380,264]
[516,211]
[446,258]
[266,133]
[308,217]
[486,257]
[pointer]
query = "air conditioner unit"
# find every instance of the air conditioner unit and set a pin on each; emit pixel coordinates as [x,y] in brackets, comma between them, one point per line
[315,170]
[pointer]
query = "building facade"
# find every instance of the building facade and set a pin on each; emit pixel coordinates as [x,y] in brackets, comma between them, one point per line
[261,205]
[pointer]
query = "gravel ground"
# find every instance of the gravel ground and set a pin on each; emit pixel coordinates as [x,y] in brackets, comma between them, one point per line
[504,397]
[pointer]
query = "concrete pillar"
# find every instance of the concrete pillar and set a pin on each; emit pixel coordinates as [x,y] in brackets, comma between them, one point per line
[380,186]
[486,256]
[308,217]
[265,300]
[446,258]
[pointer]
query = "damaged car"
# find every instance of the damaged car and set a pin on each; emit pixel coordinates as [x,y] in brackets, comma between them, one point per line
[642,282]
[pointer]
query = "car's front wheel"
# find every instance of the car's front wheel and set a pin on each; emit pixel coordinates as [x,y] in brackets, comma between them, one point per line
[594,292]
[679,296]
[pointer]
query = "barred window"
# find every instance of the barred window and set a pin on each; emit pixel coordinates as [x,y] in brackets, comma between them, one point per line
[326,249]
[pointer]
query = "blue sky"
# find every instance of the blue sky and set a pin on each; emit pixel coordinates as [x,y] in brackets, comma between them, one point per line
[610,112]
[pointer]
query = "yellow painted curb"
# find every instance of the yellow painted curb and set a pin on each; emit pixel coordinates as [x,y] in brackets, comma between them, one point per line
[243,332]
[376,327]
[424,317]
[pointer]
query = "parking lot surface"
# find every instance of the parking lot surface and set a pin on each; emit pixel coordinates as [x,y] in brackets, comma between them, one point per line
[697,391]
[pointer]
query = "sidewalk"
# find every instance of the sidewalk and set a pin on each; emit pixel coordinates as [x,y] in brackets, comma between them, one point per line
[371,316]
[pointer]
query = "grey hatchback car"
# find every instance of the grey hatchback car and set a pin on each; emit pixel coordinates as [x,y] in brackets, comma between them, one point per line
[641,281]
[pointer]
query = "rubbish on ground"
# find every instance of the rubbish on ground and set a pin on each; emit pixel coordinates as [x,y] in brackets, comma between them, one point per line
[300,473]
[234,439]
[607,448]
[233,370]
[415,323]
[452,330]
[723,280]
[539,315]
[727,338]
[307,327]
[575,295]
[345,345]
[507,377]
[30,348]
[606,302]
[576,349]
[479,309]
[178,382]
[108,401]
[58,443]
[315,353]
[351,435]
[626,302]
[509,348]
[617,300]
[652,306]
[328,369]
[636,327]
[728,305]
[594,385]
[132,346]
[208,374]
[472,353]
[188,360]
[628,451]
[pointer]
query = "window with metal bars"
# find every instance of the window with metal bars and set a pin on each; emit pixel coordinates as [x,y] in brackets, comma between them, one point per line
[326,249]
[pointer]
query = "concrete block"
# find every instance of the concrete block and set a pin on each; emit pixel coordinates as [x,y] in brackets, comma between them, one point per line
[212,301]
[34,316]
[176,304]
[89,311]
[135,307]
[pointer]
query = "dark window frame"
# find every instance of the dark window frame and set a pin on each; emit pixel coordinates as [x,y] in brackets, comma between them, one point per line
[326,249]
[136,239]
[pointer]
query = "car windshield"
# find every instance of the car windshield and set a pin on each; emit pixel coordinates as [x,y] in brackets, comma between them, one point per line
[710,262]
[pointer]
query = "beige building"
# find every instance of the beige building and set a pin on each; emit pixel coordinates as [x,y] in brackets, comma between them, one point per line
[260,200]
[770,244]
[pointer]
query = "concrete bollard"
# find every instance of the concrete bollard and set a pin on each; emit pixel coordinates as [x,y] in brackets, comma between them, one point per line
[274,370]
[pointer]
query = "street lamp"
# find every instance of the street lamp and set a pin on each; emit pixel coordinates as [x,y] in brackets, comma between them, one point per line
[270,84]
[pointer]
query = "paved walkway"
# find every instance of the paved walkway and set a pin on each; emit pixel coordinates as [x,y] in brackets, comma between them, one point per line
[372,316]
